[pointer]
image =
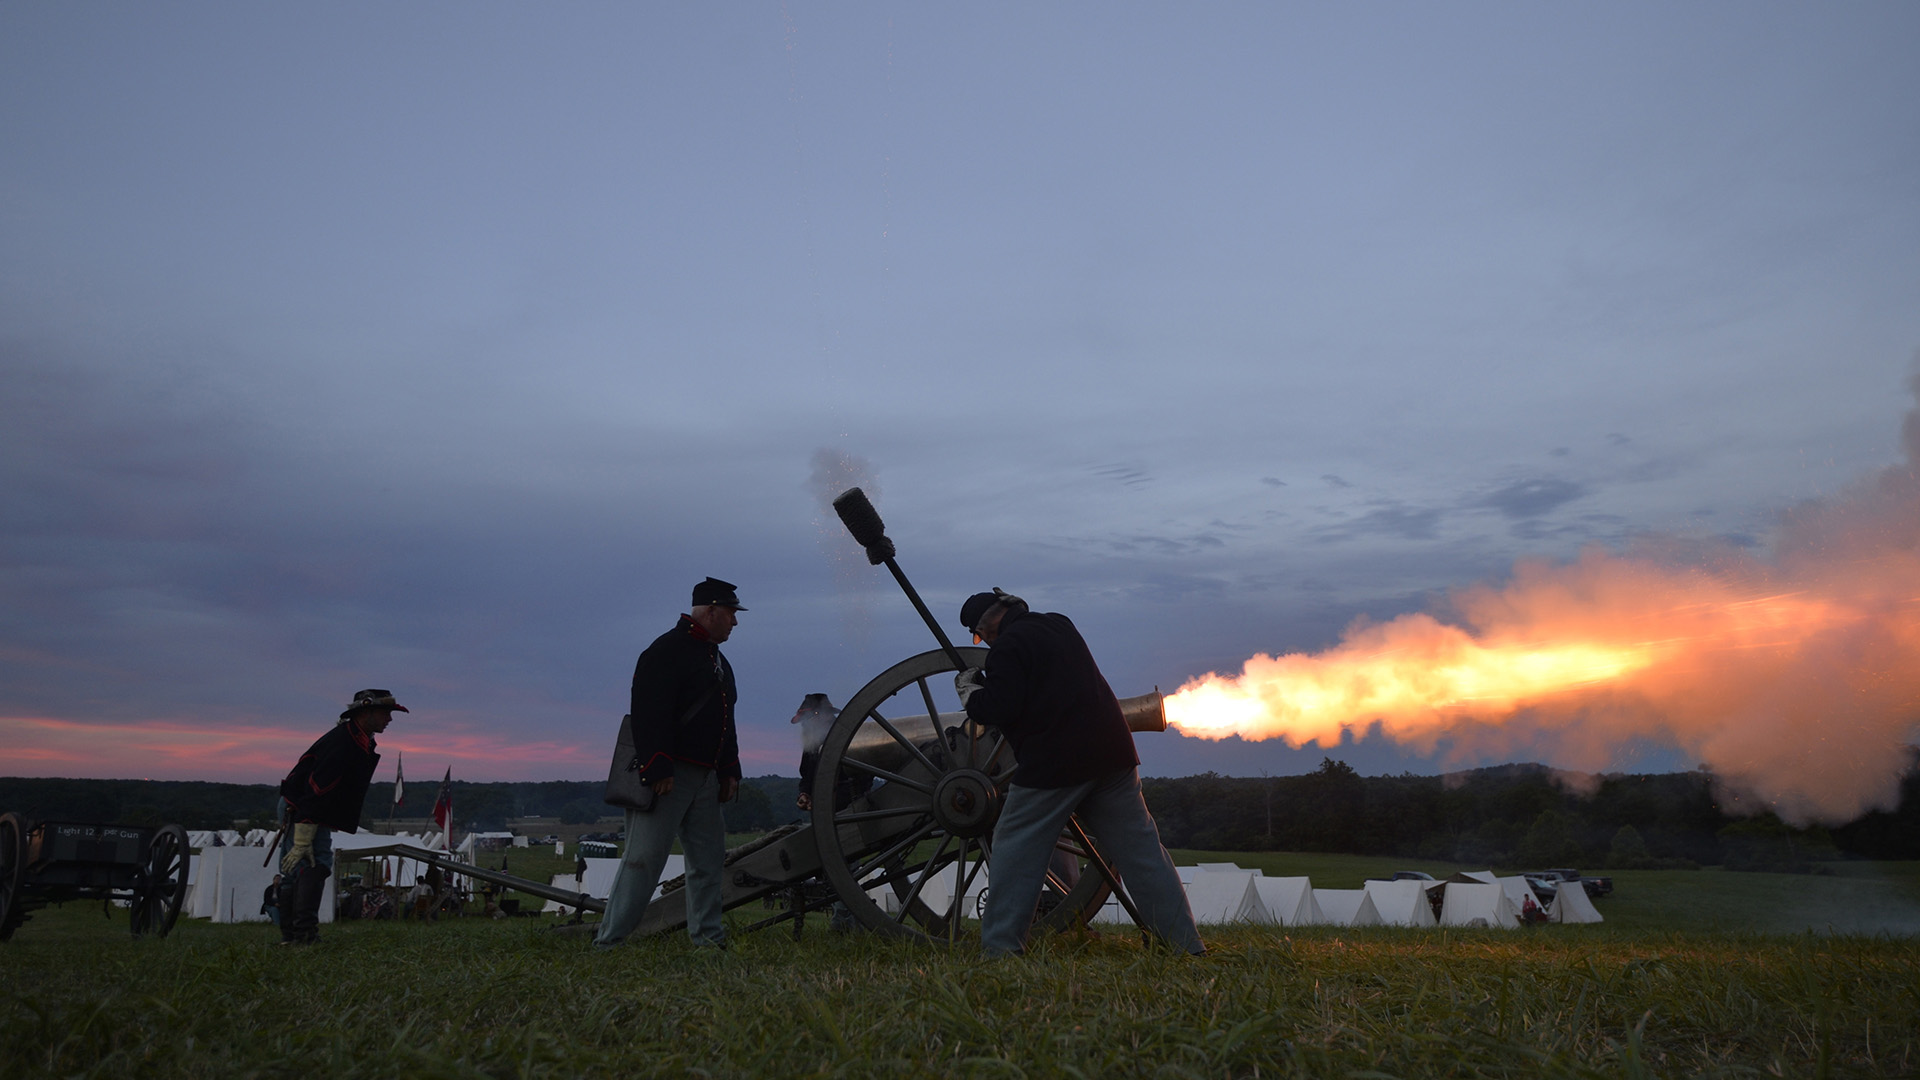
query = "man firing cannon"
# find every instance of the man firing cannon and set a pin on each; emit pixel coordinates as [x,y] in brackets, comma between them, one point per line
[1042,689]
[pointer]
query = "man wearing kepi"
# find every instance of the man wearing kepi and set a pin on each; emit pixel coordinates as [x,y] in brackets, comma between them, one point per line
[689,754]
[324,792]
[1042,689]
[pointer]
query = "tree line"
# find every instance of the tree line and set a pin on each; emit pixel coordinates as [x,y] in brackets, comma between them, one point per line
[1515,816]
[1507,816]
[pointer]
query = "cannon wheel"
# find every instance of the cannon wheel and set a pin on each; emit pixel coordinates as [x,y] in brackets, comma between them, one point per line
[162,885]
[13,871]
[918,841]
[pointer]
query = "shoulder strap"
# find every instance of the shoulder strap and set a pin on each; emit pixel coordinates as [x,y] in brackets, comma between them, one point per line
[698,704]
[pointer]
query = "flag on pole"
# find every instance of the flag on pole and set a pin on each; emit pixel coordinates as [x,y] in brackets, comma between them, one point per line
[400,779]
[443,810]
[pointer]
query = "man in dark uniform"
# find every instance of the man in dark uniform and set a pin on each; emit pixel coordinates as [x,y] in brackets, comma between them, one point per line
[324,792]
[683,736]
[1041,688]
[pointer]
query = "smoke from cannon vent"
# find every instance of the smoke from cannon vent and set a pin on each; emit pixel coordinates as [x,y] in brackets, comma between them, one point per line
[834,471]
[815,716]
[1794,676]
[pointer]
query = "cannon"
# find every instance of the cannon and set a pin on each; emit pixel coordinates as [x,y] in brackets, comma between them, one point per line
[55,861]
[920,833]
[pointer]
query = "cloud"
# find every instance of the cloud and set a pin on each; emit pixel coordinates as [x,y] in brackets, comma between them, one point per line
[1131,475]
[1395,520]
[1333,481]
[1533,497]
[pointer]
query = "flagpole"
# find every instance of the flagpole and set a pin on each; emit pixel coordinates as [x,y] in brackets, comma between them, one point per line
[399,772]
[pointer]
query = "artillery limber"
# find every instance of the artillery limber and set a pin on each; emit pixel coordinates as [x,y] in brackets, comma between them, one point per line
[54,861]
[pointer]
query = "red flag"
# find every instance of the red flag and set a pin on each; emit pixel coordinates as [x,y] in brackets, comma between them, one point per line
[443,810]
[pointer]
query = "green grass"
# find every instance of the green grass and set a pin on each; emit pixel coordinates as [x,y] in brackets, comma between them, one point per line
[503,998]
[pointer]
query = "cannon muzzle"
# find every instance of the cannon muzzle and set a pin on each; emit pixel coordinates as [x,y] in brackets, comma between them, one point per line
[874,746]
[1148,712]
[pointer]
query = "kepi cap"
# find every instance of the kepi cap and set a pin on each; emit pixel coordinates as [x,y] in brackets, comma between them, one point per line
[980,603]
[717,593]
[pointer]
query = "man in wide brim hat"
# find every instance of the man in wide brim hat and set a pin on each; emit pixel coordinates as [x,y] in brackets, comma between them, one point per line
[325,791]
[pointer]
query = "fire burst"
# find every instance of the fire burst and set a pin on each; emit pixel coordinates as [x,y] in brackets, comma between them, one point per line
[1802,697]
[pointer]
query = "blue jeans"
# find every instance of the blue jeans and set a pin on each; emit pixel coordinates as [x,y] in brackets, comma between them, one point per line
[691,812]
[1116,817]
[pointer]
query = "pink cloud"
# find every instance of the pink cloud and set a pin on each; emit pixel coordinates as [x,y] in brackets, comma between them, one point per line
[262,753]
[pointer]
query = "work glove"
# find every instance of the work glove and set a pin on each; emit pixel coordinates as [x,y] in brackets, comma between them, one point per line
[302,847]
[967,682]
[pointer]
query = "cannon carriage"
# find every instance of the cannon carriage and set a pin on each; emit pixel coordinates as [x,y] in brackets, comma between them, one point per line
[55,861]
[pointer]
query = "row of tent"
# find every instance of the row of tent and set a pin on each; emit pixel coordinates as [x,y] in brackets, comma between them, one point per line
[1221,893]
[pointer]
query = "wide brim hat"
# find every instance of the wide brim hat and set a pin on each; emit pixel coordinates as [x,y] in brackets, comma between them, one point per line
[369,700]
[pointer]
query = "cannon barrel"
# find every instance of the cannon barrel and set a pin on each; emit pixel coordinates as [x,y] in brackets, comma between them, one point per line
[872,744]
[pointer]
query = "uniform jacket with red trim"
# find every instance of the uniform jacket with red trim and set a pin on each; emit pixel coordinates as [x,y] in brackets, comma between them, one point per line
[680,666]
[1046,694]
[329,783]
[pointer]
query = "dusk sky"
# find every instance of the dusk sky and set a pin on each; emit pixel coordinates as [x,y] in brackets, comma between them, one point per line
[443,347]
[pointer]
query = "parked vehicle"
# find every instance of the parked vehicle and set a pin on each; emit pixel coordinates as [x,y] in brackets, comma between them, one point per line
[1596,886]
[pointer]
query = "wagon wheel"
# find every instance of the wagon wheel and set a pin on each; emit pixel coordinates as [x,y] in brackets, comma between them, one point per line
[13,872]
[926,828]
[162,884]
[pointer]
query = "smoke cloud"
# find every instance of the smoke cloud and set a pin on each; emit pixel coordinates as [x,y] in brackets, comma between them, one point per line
[834,471]
[1794,676]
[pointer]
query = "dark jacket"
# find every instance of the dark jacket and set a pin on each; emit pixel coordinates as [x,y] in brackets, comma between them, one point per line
[328,784]
[674,671]
[1044,691]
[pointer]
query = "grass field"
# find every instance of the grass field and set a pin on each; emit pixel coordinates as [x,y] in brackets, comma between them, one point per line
[1661,989]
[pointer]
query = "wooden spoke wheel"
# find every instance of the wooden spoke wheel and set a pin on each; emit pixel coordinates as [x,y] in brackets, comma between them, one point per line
[161,884]
[13,872]
[919,791]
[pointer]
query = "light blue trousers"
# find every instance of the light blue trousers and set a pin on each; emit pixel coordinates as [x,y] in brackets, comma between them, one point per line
[1116,816]
[692,813]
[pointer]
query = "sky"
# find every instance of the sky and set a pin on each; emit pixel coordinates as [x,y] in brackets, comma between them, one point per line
[442,347]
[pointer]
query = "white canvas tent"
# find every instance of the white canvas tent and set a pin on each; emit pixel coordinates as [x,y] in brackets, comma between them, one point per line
[598,882]
[1475,877]
[1346,907]
[229,883]
[1478,904]
[1226,896]
[1289,900]
[1401,903]
[1572,905]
